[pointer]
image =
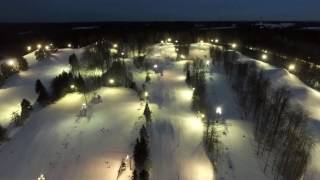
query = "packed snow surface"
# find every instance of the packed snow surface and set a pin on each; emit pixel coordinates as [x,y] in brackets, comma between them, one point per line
[22,85]
[58,143]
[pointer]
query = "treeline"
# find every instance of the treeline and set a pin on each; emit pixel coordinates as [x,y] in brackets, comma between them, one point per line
[280,129]
[12,67]
[307,72]
[141,156]
[196,79]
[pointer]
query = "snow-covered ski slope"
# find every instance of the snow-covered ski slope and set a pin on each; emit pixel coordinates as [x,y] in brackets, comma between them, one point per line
[22,85]
[59,144]
[305,97]
[176,132]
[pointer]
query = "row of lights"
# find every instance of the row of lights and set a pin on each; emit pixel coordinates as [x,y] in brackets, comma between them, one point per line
[46,47]
[218,112]
[169,40]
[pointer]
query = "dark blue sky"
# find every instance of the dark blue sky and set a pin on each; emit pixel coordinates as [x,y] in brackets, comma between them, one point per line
[157,10]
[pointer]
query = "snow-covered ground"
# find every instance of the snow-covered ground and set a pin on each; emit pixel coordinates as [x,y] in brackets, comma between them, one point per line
[176,133]
[304,96]
[61,145]
[22,85]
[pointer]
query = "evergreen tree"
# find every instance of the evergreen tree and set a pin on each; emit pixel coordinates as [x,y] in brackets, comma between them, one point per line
[148,77]
[147,113]
[60,85]
[43,96]
[144,175]
[16,119]
[23,64]
[143,132]
[2,79]
[7,70]
[134,175]
[74,63]
[188,77]
[25,109]
[3,133]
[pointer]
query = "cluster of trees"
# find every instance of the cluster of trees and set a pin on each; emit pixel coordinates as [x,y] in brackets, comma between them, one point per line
[309,73]
[212,144]
[139,61]
[61,85]
[99,56]
[183,51]
[44,97]
[120,74]
[141,156]
[195,78]
[42,53]
[18,119]
[283,141]
[7,70]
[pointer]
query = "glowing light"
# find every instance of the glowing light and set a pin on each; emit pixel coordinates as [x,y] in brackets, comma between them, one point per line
[111,81]
[201,42]
[146,94]
[41,177]
[29,48]
[176,41]
[47,47]
[10,62]
[169,40]
[211,40]
[113,51]
[39,46]
[162,41]
[72,86]
[69,45]
[84,106]
[203,116]
[127,157]
[216,40]
[219,110]
[177,49]
[292,67]
[115,45]
[264,56]
[207,62]
[122,53]
[234,45]
[193,89]
[182,56]
[155,66]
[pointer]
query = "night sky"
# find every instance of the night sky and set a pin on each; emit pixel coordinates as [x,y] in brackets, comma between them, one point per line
[157,10]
